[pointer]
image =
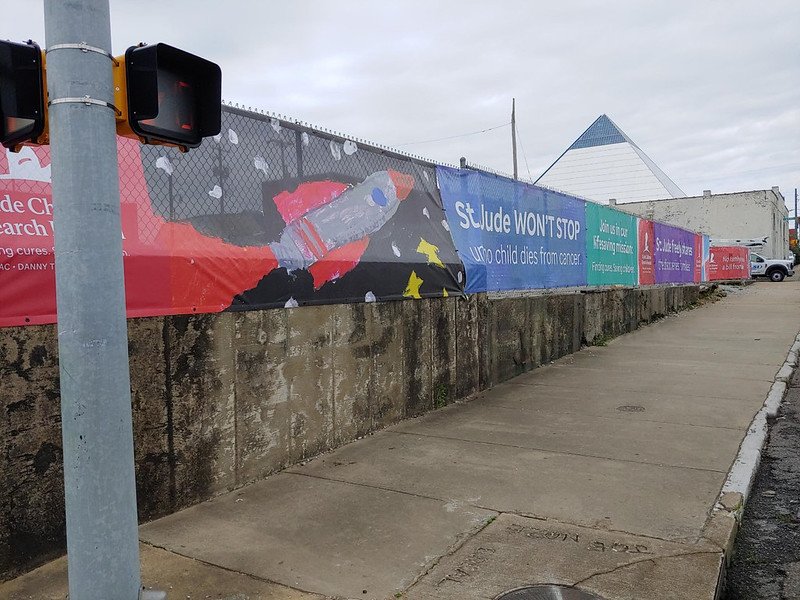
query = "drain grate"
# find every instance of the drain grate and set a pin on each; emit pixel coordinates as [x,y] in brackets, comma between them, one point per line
[547,592]
[630,408]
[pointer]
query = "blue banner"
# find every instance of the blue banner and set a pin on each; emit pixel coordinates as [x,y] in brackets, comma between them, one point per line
[512,235]
[706,256]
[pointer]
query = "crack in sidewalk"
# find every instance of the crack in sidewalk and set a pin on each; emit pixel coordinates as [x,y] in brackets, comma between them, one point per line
[654,560]
[229,569]
[535,449]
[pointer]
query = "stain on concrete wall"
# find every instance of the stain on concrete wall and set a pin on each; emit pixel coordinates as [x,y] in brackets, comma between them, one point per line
[469,355]
[31,469]
[152,424]
[222,400]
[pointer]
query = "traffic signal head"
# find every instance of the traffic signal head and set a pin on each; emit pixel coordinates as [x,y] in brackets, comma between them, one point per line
[172,96]
[22,93]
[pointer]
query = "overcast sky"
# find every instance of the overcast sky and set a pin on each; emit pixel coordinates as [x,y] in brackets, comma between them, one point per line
[709,90]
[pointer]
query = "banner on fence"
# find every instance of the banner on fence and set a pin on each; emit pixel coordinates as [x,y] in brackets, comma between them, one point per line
[268,214]
[511,235]
[728,262]
[674,254]
[611,246]
[698,257]
[646,258]
[263,215]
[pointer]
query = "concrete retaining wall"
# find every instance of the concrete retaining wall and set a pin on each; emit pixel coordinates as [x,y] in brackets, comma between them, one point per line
[220,400]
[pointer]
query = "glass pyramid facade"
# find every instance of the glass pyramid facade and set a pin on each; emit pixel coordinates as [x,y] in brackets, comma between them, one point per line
[604,163]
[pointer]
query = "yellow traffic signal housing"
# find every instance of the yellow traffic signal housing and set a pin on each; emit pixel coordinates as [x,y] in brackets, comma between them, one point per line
[167,96]
[23,112]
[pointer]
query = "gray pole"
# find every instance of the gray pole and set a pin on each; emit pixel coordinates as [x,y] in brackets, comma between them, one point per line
[514,133]
[796,222]
[99,483]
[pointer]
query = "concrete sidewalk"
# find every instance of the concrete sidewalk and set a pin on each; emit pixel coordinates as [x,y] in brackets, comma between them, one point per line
[598,471]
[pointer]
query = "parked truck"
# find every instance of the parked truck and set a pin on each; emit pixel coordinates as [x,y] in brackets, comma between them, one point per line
[776,269]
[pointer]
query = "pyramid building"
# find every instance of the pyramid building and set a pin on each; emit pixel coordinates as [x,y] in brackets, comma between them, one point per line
[604,163]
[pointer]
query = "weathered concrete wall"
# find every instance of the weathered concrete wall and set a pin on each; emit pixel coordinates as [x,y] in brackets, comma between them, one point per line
[221,400]
[31,470]
[526,332]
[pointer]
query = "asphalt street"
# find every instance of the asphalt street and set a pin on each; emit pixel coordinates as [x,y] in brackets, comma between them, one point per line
[766,562]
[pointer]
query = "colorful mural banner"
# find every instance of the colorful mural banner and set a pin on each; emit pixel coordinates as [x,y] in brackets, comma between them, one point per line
[512,235]
[674,254]
[611,246]
[728,262]
[263,215]
[270,214]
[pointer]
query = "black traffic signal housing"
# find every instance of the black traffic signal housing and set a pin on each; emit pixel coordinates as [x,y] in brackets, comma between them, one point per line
[163,95]
[168,96]
[22,95]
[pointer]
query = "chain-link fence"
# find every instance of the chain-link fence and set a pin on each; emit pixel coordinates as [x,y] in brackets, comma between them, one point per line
[225,182]
[234,188]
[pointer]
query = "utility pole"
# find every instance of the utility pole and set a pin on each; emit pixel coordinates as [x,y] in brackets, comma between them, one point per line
[514,134]
[796,222]
[99,483]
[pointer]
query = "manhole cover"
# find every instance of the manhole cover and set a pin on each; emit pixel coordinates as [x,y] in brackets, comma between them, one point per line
[630,408]
[547,592]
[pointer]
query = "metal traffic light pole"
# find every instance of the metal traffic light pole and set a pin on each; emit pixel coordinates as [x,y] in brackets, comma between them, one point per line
[99,482]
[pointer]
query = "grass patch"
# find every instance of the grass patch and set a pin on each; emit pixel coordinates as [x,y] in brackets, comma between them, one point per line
[440,396]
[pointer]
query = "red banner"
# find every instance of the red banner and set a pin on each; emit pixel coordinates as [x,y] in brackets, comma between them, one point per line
[728,262]
[647,273]
[698,258]
[170,268]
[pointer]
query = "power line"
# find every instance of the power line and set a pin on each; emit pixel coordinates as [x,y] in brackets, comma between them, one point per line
[452,137]
[525,158]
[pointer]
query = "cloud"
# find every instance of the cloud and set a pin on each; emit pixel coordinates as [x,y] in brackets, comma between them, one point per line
[705,88]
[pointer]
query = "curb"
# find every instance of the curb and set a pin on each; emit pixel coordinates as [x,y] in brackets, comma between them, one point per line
[723,523]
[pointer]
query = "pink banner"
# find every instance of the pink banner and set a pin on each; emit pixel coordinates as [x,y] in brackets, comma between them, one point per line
[647,274]
[698,258]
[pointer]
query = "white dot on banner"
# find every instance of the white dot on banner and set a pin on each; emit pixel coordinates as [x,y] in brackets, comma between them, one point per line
[261,164]
[349,147]
[335,151]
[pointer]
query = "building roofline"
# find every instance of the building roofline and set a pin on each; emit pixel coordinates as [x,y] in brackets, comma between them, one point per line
[700,196]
